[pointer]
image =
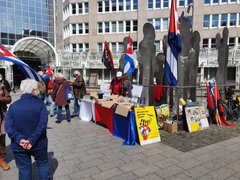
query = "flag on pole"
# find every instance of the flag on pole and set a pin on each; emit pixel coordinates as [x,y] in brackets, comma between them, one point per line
[48,73]
[174,47]
[107,58]
[209,97]
[129,65]
[26,69]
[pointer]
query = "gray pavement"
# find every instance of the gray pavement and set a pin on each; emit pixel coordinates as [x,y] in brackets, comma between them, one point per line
[84,150]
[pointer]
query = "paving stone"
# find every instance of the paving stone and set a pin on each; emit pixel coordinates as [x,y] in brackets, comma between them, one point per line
[205,157]
[166,163]
[107,174]
[109,165]
[188,164]
[222,173]
[134,157]
[125,176]
[152,176]
[143,171]
[85,173]
[197,171]
[180,176]
[93,162]
[132,166]
[169,171]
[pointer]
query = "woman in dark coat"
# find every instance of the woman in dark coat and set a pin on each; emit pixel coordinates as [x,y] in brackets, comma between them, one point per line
[60,97]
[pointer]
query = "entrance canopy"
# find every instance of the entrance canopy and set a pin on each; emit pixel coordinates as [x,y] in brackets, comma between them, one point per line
[38,46]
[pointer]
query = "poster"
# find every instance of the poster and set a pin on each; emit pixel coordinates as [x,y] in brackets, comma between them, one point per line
[196,118]
[147,125]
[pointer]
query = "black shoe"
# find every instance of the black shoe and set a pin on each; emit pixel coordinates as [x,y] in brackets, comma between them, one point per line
[68,120]
[57,122]
[74,115]
[51,115]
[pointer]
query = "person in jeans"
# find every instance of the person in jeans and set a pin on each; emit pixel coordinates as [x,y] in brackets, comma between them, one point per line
[79,90]
[26,124]
[60,97]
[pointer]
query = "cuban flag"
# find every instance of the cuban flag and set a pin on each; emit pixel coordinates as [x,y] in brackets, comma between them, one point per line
[174,47]
[129,65]
[26,69]
[107,58]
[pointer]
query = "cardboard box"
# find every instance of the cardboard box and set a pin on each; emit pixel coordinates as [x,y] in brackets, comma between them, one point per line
[173,127]
[93,95]
[107,104]
[123,109]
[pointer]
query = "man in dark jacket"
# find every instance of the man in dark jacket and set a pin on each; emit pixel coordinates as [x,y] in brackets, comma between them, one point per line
[26,124]
[79,90]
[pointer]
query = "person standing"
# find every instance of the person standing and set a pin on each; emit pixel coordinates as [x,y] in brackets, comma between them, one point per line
[26,124]
[60,97]
[127,86]
[5,83]
[5,99]
[116,85]
[79,90]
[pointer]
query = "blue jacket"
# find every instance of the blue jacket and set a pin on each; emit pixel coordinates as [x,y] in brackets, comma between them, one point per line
[27,119]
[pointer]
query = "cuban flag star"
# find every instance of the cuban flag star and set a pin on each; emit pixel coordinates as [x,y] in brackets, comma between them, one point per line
[174,47]
[26,69]
[129,65]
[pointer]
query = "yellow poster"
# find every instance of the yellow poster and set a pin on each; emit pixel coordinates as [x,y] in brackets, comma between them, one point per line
[147,125]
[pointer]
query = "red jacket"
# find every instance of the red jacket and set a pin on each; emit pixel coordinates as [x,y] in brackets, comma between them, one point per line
[116,86]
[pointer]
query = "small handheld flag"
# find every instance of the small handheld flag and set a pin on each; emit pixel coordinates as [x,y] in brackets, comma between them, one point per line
[129,65]
[107,58]
[174,47]
[26,69]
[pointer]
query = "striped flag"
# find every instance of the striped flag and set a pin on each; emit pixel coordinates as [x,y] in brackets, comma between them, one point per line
[129,65]
[26,69]
[107,58]
[174,47]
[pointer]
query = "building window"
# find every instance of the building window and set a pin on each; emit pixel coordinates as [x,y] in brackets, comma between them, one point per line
[157,45]
[189,1]
[165,23]
[150,21]
[86,7]
[157,4]
[224,1]
[206,21]
[120,26]
[80,28]
[80,47]
[135,25]
[120,5]
[100,27]
[107,30]
[114,5]
[100,6]
[134,46]
[74,48]
[100,47]
[205,43]
[107,6]
[86,28]
[135,4]
[150,4]
[120,47]
[232,20]
[114,27]
[157,24]
[165,3]
[215,1]
[74,29]
[86,47]
[114,47]
[128,5]
[181,3]
[207,2]
[223,20]
[73,8]
[231,42]
[128,26]
[233,1]
[215,20]
[213,43]
[80,9]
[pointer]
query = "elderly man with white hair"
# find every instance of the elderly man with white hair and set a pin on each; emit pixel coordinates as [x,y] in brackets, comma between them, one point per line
[26,124]
[79,90]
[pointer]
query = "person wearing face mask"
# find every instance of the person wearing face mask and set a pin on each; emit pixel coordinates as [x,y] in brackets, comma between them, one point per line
[26,124]
[5,99]
[116,85]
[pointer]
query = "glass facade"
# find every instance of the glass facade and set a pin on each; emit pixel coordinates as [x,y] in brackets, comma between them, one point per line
[23,18]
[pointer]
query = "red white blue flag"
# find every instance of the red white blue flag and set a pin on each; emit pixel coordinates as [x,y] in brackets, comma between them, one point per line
[25,68]
[174,47]
[129,65]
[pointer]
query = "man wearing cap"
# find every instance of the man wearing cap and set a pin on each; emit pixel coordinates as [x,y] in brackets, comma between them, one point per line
[116,85]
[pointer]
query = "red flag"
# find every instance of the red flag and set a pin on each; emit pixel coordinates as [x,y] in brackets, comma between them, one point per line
[49,71]
[209,98]
[107,58]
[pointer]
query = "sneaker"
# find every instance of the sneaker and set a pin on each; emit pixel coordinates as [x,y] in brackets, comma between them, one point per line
[57,121]
[51,115]
[69,120]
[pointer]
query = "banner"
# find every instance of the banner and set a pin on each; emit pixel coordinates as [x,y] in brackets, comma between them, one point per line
[147,125]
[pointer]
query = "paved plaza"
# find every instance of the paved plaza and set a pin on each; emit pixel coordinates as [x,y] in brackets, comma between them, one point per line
[84,150]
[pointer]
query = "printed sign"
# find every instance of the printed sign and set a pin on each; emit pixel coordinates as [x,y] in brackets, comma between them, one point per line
[196,118]
[147,125]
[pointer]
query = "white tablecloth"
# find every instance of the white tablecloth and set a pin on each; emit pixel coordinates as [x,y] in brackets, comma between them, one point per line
[87,112]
